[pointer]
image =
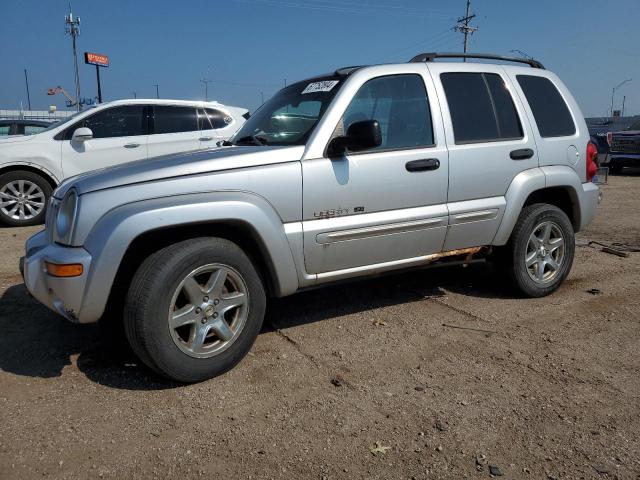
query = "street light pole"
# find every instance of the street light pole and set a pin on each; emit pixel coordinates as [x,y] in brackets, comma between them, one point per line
[206,88]
[26,81]
[157,91]
[613,92]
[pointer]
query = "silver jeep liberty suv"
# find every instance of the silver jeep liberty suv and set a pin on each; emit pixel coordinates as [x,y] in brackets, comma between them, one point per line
[361,171]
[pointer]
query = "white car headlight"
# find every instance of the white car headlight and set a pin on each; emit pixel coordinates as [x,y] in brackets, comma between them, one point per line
[66,218]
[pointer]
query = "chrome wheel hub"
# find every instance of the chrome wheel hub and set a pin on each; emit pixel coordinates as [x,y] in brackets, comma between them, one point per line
[21,200]
[545,252]
[208,310]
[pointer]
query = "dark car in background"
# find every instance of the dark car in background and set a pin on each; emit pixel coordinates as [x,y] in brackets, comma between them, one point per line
[624,148]
[22,127]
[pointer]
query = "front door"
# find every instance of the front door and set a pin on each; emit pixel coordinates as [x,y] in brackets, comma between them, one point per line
[387,203]
[119,136]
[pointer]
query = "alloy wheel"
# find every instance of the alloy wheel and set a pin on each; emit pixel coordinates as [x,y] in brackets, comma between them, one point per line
[545,252]
[208,310]
[21,200]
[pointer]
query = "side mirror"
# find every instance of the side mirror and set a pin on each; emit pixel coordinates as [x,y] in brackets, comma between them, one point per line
[360,136]
[82,134]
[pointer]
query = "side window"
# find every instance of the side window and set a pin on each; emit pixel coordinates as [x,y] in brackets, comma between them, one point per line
[126,121]
[481,108]
[31,129]
[4,129]
[399,103]
[168,119]
[218,119]
[549,108]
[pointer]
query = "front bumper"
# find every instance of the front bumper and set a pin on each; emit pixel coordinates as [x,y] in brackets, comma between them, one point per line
[62,295]
[623,159]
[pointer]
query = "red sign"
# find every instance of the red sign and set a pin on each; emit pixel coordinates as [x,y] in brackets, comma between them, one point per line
[96,59]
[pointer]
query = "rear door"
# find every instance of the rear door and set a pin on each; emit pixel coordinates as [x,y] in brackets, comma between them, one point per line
[174,129]
[388,203]
[119,136]
[490,142]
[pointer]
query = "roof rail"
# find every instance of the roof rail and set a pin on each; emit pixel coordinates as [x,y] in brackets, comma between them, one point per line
[347,70]
[429,57]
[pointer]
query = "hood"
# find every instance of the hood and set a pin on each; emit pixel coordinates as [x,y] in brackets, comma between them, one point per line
[171,166]
[16,139]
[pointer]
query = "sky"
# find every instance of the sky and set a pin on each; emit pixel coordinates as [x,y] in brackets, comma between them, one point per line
[249,48]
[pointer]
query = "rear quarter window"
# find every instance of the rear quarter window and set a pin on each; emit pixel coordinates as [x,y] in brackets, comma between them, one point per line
[549,109]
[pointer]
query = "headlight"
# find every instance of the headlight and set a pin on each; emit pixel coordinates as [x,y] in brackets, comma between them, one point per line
[66,218]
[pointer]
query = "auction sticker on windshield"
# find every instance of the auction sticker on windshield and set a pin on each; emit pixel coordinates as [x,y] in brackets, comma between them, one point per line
[324,86]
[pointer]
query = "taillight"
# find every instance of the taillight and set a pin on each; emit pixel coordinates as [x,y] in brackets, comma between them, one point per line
[592,156]
[609,138]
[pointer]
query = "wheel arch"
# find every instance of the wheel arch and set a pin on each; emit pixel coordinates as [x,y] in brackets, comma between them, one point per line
[43,172]
[553,185]
[128,234]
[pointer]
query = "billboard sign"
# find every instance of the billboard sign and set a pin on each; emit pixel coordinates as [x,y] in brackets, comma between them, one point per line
[97,59]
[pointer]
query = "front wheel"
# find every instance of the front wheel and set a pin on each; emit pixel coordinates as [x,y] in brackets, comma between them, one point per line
[23,198]
[541,250]
[194,309]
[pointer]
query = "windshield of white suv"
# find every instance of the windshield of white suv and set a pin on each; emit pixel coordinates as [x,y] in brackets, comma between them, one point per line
[290,116]
[63,121]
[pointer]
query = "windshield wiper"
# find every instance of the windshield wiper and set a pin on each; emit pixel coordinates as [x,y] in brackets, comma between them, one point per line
[257,140]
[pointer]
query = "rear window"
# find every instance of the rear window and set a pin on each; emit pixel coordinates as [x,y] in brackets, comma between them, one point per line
[549,108]
[481,107]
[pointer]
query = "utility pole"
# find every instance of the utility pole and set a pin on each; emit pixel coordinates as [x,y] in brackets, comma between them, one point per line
[26,81]
[613,92]
[72,27]
[463,26]
[135,95]
[206,88]
[157,91]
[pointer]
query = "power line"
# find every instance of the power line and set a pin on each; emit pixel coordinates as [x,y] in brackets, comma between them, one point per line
[387,10]
[463,26]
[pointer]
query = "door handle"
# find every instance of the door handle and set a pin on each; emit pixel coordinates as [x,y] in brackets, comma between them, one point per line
[206,139]
[422,165]
[132,145]
[522,154]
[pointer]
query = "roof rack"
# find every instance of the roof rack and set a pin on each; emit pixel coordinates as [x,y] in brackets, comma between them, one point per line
[347,70]
[429,57]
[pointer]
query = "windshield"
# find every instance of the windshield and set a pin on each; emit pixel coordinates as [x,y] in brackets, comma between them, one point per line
[63,121]
[290,116]
[635,126]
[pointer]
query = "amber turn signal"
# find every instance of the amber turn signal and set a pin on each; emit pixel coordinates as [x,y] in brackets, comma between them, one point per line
[64,270]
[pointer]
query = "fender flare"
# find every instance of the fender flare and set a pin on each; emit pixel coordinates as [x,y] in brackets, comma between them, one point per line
[18,164]
[112,235]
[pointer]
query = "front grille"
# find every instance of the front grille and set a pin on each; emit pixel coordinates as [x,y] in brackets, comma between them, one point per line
[626,145]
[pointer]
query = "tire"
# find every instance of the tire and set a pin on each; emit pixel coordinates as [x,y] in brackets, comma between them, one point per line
[615,169]
[540,278]
[169,284]
[24,197]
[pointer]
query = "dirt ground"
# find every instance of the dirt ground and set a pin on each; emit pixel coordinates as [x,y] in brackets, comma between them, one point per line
[442,370]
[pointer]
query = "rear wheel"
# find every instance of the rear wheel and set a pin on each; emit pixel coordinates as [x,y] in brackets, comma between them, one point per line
[194,309]
[24,197]
[541,249]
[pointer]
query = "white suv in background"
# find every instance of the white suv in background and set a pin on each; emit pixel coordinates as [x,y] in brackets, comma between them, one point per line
[31,166]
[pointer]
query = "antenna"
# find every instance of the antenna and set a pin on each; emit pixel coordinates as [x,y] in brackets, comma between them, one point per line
[72,27]
[463,26]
